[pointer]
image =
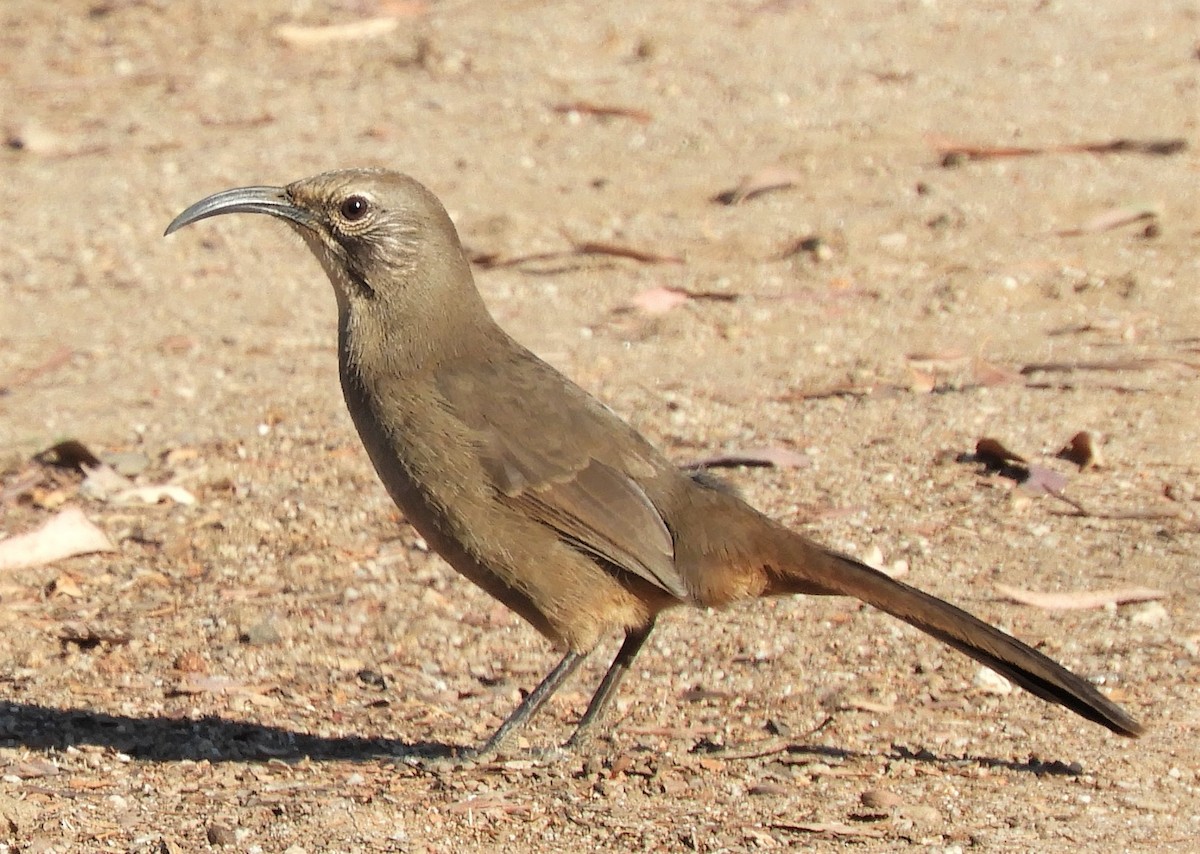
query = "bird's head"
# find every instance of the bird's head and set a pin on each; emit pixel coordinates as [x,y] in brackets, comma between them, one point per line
[372,229]
[385,241]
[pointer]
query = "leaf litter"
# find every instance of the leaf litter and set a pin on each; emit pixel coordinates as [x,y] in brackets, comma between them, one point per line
[67,534]
[1079,600]
[767,180]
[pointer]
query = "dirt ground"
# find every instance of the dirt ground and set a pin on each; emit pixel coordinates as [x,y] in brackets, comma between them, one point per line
[254,671]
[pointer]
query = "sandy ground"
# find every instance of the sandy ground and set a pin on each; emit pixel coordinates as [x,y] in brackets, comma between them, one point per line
[251,671]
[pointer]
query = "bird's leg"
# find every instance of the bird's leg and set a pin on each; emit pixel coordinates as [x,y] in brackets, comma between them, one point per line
[608,685]
[532,702]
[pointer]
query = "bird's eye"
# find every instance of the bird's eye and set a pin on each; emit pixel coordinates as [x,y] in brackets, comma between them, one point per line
[354,208]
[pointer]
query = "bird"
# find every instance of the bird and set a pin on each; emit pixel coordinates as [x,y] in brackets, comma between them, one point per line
[536,491]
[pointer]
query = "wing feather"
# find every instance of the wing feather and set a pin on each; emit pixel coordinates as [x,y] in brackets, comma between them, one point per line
[568,473]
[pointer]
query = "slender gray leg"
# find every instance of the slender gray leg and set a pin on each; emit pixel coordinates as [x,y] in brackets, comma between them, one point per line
[608,685]
[532,702]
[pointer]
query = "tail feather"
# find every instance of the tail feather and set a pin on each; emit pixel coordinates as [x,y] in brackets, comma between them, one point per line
[829,573]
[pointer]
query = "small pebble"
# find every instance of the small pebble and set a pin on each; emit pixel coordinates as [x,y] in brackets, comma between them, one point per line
[261,634]
[920,814]
[219,834]
[873,557]
[128,463]
[880,799]
[1149,614]
[991,682]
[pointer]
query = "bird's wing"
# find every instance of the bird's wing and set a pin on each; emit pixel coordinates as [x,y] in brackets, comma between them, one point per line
[568,462]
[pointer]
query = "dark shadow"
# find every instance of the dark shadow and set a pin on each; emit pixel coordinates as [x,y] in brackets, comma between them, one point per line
[210,738]
[1033,765]
[163,739]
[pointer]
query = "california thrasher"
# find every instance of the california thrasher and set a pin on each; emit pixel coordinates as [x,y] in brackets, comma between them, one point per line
[537,492]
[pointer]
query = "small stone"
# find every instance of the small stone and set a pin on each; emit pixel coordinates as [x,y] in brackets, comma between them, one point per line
[991,682]
[873,557]
[879,799]
[191,662]
[128,463]
[260,634]
[919,814]
[1149,614]
[219,834]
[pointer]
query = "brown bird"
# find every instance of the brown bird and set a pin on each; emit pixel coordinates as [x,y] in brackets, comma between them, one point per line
[536,491]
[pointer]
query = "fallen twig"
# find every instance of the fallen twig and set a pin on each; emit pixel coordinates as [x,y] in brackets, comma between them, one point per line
[52,362]
[954,152]
[602,110]
[578,247]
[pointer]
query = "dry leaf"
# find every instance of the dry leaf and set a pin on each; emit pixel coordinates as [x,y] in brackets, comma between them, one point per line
[1033,479]
[1083,450]
[491,260]
[1082,600]
[1115,366]
[954,153]
[854,703]
[67,586]
[69,454]
[1113,218]
[921,382]
[603,247]
[488,804]
[55,360]
[991,453]
[67,534]
[30,769]
[762,181]
[987,374]
[154,495]
[1040,480]
[813,245]
[298,35]
[604,111]
[830,828]
[660,300]
[35,139]
[103,482]
[203,683]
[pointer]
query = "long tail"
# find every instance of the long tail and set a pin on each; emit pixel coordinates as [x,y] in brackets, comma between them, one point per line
[816,571]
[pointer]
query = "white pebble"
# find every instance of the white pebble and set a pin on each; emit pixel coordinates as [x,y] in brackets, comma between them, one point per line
[991,682]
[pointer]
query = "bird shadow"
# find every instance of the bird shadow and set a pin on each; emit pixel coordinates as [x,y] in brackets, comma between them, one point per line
[1032,765]
[170,739]
[211,738]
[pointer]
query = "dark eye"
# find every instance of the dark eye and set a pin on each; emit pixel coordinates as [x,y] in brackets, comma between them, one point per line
[354,208]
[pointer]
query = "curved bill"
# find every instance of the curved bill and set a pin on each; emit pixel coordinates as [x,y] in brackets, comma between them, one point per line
[264,200]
